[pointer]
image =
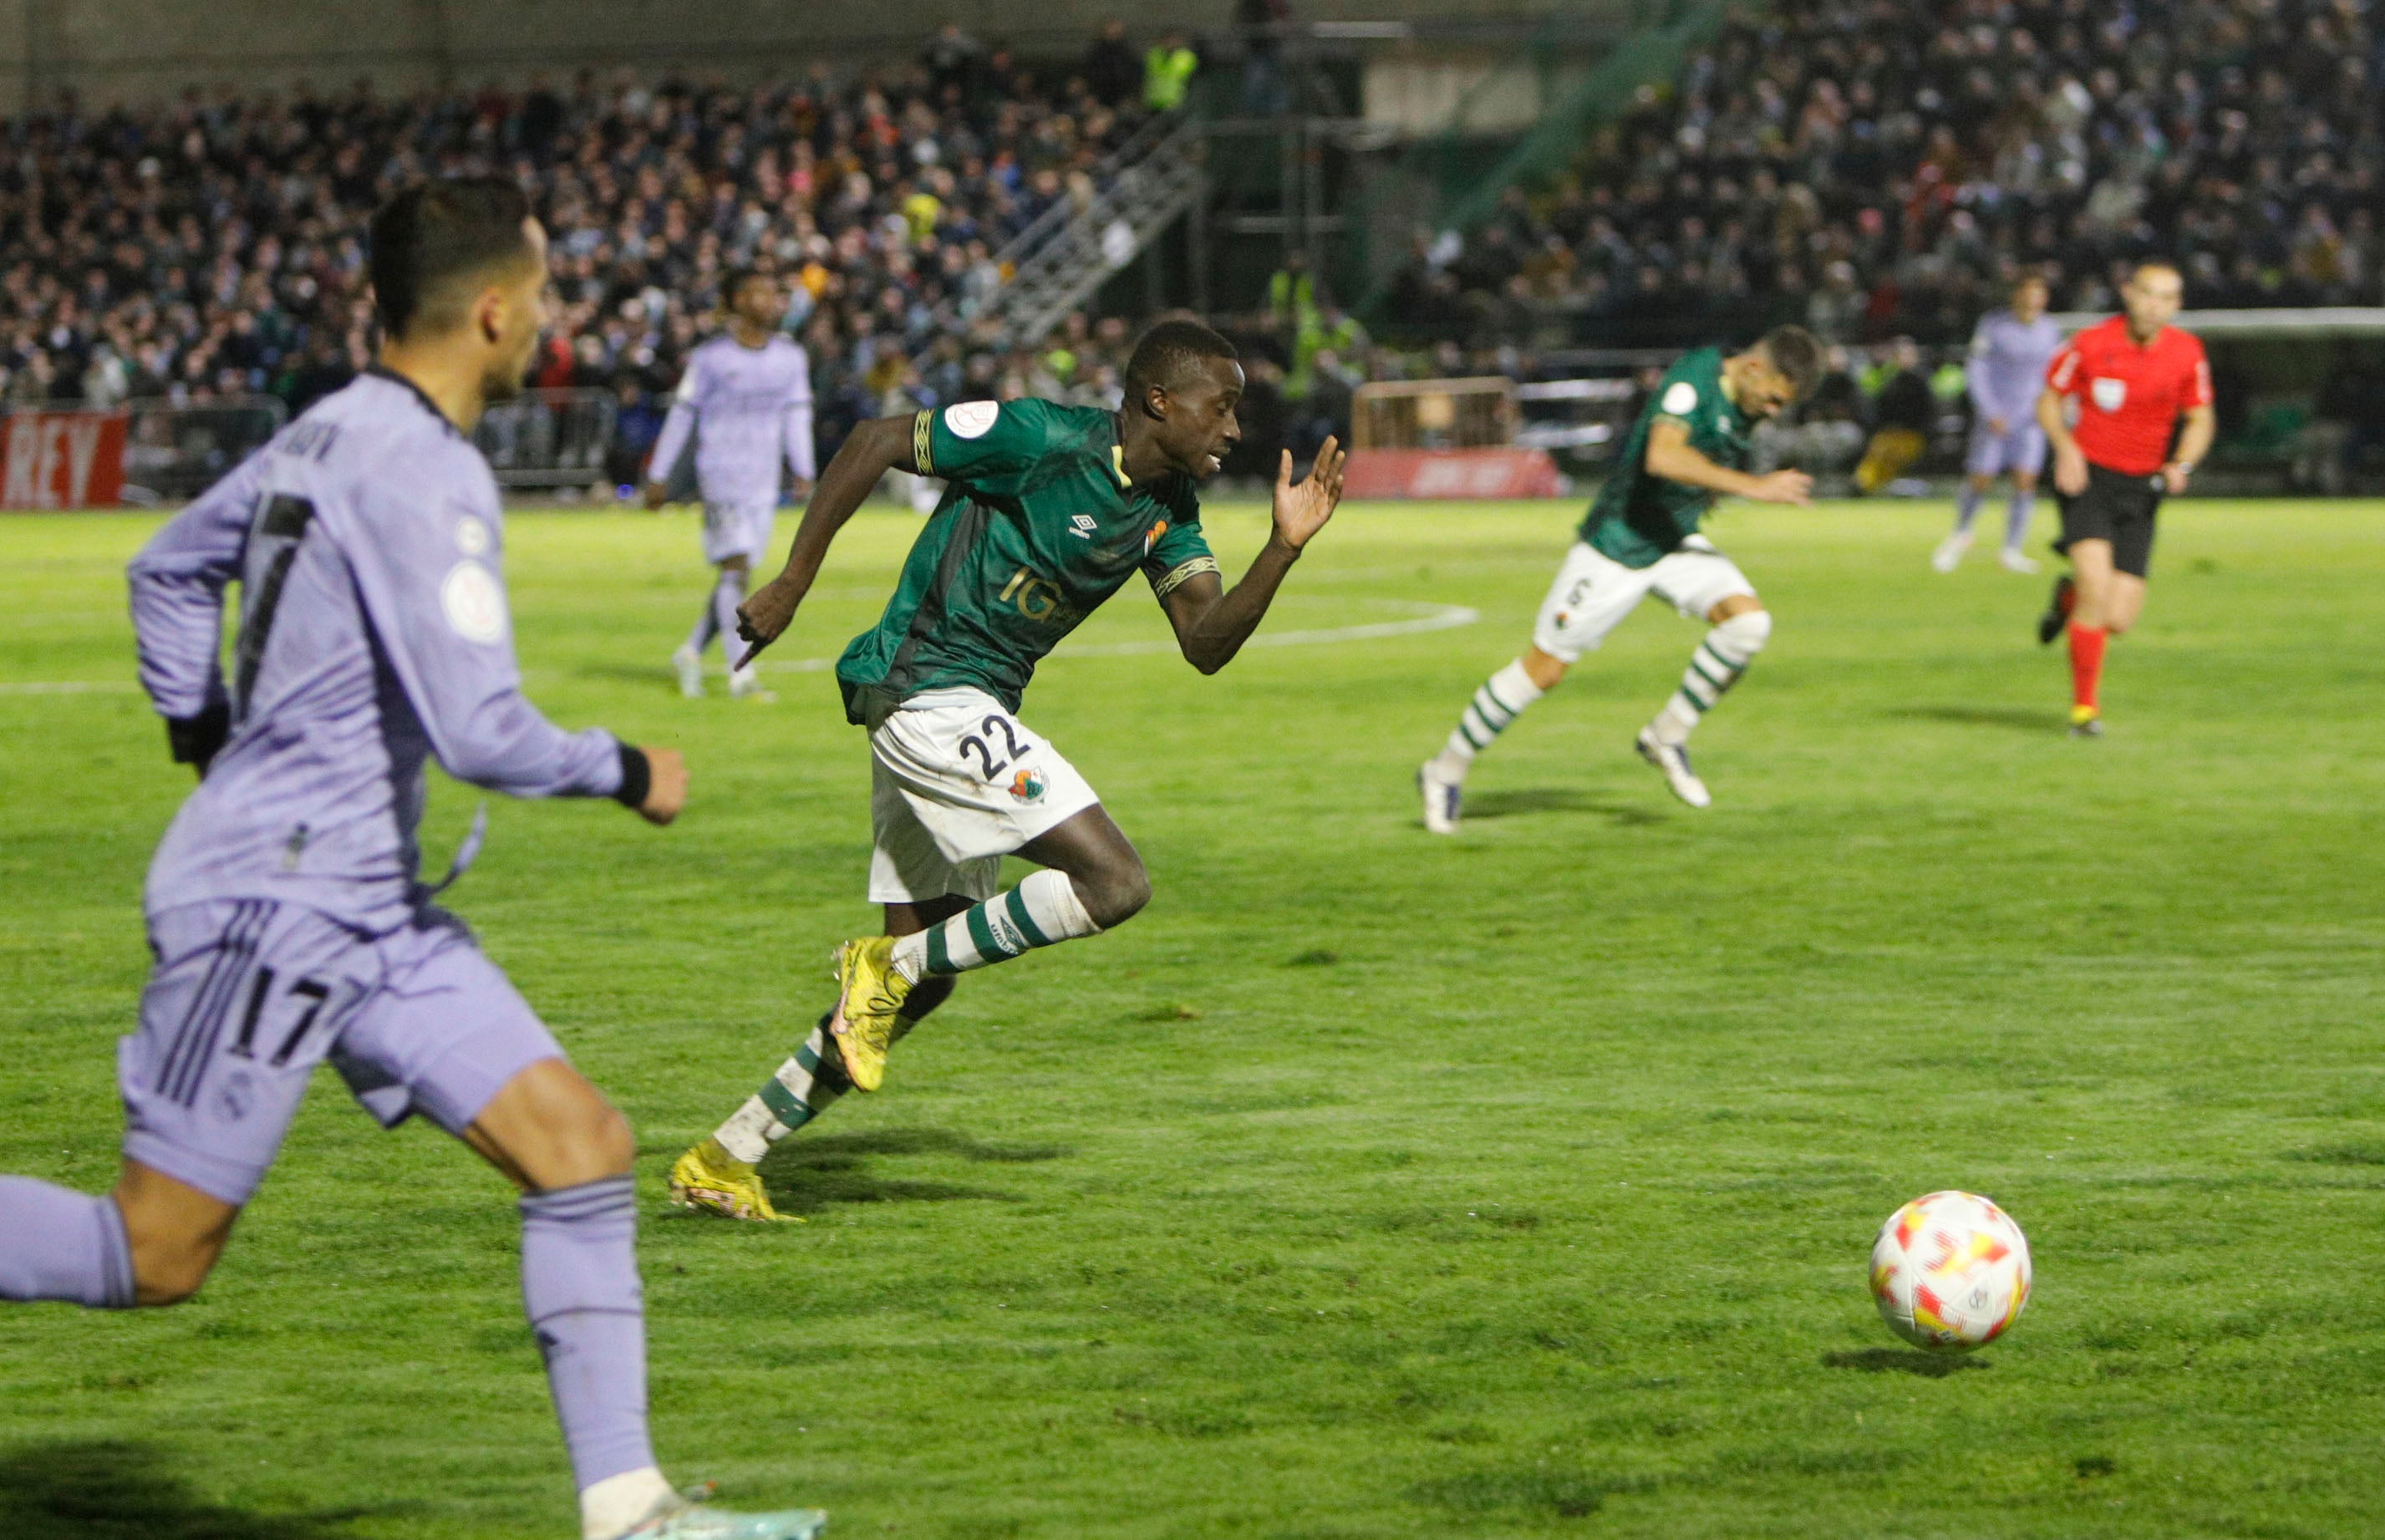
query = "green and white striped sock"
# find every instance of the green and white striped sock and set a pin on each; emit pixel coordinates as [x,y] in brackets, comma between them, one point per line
[1717,664]
[1492,710]
[1041,911]
[799,1092]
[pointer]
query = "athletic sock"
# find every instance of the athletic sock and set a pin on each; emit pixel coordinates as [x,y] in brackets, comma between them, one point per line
[792,1096]
[708,625]
[1494,709]
[609,1508]
[1040,911]
[2086,668]
[727,594]
[581,1290]
[2018,513]
[62,1246]
[1715,667]
[1966,508]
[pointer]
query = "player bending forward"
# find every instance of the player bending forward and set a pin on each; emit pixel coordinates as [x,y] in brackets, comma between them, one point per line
[1048,510]
[2007,365]
[284,911]
[1641,537]
[747,399]
[2133,376]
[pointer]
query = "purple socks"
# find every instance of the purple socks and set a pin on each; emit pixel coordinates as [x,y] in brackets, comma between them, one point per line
[62,1246]
[579,1285]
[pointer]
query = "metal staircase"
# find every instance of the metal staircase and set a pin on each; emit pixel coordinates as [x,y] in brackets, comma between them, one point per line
[1056,263]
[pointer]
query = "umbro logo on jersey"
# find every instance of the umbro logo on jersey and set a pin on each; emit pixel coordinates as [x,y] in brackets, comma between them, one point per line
[1083,526]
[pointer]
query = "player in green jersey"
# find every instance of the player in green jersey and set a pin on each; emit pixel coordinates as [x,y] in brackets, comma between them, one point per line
[1641,537]
[1048,511]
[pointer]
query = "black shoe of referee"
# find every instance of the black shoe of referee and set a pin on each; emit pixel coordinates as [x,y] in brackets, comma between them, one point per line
[2057,609]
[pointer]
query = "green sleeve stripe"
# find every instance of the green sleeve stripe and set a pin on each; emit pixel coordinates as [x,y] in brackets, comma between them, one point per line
[939,956]
[1016,902]
[980,931]
[923,441]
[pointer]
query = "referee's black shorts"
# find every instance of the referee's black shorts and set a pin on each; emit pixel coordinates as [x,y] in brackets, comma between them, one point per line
[2115,506]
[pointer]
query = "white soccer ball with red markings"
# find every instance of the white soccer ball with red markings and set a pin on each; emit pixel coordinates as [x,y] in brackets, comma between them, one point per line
[1950,1272]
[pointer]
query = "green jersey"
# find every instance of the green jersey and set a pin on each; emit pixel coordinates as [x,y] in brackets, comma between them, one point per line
[1638,518]
[1038,526]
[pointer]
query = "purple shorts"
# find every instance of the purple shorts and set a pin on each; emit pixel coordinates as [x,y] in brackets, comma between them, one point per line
[2021,448]
[248,995]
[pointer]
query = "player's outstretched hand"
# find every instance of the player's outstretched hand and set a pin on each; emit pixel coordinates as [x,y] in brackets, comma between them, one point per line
[2069,470]
[1793,487]
[667,791]
[762,616]
[1302,507]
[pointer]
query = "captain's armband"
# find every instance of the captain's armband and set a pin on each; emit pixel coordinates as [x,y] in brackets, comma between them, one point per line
[1165,583]
[923,453]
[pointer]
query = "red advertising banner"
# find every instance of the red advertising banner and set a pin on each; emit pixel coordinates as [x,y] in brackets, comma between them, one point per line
[1481,474]
[61,459]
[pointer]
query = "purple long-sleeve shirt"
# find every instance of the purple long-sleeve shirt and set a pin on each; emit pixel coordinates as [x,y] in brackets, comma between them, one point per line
[745,407]
[374,636]
[2007,365]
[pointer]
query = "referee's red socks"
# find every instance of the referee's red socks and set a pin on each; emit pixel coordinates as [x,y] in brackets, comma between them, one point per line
[2086,668]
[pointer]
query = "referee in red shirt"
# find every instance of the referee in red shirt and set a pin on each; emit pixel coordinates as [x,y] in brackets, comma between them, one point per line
[2133,376]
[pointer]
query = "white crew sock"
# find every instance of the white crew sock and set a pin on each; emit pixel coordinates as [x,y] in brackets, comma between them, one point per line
[1966,508]
[1040,911]
[610,1506]
[1714,668]
[1492,710]
[727,594]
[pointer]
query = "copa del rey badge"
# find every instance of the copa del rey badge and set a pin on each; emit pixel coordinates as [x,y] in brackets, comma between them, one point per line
[2108,393]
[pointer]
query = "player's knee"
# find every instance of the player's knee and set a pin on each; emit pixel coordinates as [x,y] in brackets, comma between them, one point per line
[1114,894]
[169,1270]
[1748,628]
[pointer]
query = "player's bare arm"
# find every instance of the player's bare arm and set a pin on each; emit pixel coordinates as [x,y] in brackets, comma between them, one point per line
[1670,456]
[2069,464]
[2202,426]
[872,449]
[1211,623]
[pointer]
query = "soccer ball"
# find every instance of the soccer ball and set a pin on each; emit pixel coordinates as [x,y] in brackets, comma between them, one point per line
[1950,1272]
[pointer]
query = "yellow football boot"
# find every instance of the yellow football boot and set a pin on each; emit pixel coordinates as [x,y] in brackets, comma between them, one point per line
[870,989]
[709,1179]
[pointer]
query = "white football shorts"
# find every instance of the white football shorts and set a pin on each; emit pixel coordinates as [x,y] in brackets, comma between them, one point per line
[1594,592]
[957,782]
[735,532]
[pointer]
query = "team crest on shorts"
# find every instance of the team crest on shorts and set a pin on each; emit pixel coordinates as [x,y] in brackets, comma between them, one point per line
[1027,786]
[2108,393]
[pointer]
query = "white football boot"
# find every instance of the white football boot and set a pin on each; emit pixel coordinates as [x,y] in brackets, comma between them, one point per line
[1440,800]
[1951,551]
[746,684]
[690,666]
[1674,760]
[678,1519]
[2016,562]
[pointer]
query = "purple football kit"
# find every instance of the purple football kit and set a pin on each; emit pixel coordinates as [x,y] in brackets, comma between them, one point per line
[286,911]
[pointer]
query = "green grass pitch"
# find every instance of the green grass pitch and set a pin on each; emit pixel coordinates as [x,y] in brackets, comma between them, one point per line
[1368,1184]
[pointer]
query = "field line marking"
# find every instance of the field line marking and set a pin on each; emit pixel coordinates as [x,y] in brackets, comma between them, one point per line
[1436,617]
[69,686]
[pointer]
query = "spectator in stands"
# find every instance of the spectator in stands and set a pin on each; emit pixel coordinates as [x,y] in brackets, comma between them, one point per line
[1167,72]
[1903,409]
[1111,72]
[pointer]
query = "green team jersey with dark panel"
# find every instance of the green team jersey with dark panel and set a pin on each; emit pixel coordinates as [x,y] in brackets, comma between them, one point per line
[1038,526]
[1638,518]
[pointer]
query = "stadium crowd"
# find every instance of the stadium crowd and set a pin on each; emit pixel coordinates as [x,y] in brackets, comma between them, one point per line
[214,248]
[1870,169]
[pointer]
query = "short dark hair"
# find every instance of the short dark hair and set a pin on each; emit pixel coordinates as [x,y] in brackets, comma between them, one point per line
[734,282]
[429,238]
[1794,352]
[1170,351]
